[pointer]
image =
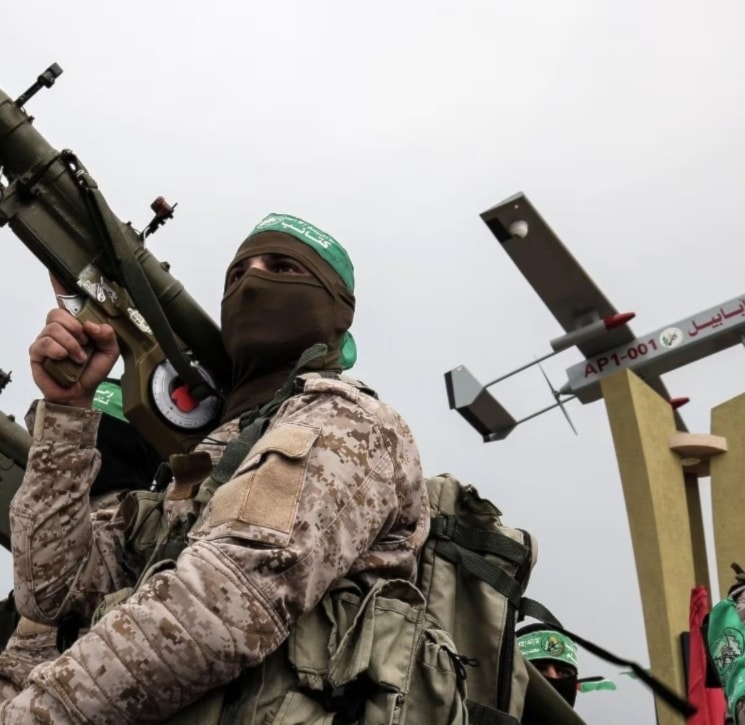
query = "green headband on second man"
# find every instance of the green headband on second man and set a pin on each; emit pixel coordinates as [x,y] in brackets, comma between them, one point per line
[548,644]
[108,398]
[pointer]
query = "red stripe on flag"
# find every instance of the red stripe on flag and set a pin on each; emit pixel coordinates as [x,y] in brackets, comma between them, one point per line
[710,702]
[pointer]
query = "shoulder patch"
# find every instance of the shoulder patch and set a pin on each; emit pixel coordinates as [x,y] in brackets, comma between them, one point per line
[266,495]
[290,439]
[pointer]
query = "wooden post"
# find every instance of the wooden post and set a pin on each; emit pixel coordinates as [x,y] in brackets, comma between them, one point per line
[727,501]
[654,489]
[696,452]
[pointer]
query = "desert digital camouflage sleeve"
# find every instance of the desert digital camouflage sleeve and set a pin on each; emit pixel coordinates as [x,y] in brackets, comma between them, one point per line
[32,643]
[58,563]
[29,645]
[333,487]
[66,549]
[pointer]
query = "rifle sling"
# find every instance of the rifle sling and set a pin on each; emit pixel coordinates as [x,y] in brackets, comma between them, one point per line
[138,285]
[253,423]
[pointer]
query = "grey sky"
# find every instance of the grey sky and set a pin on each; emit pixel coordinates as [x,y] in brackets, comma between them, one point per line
[393,125]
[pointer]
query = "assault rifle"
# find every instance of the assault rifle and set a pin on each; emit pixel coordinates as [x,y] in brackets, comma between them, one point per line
[176,370]
[14,445]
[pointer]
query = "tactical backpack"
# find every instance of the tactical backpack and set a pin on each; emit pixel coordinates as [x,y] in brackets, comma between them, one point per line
[473,572]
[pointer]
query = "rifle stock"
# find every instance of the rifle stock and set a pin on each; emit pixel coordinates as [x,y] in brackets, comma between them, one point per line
[53,205]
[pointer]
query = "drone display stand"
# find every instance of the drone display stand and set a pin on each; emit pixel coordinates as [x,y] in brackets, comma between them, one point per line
[659,461]
[660,468]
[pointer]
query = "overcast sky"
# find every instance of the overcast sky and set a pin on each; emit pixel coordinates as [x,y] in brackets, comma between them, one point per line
[392,126]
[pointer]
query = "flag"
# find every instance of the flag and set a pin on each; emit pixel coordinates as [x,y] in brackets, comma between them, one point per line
[600,684]
[709,702]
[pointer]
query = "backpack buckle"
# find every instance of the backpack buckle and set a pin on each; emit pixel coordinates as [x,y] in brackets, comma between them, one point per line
[444,526]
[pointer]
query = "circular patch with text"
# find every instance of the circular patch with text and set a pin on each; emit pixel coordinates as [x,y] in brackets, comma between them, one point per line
[726,650]
[552,645]
[671,336]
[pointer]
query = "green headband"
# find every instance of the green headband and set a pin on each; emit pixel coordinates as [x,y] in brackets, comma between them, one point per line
[323,244]
[108,398]
[329,250]
[547,644]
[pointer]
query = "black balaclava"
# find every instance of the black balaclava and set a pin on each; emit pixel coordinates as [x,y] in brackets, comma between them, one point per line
[565,686]
[269,319]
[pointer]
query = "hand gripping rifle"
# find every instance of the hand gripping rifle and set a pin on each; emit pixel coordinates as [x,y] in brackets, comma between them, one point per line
[176,370]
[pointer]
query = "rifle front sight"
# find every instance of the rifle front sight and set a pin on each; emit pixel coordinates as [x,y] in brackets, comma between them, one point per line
[45,80]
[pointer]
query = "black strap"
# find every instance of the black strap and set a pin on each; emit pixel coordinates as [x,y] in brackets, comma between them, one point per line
[536,610]
[254,422]
[658,687]
[137,283]
[493,575]
[177,539]
[9,618]
[739,578]
[448,526]
[483,715]
[68,630]
[237,450]
[531,608]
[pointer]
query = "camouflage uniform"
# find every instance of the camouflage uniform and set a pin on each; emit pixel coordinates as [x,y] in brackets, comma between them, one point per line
[32,643]
[29,645]
[333,488]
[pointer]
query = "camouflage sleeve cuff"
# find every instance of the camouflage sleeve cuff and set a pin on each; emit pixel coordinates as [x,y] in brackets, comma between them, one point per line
[63,423]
